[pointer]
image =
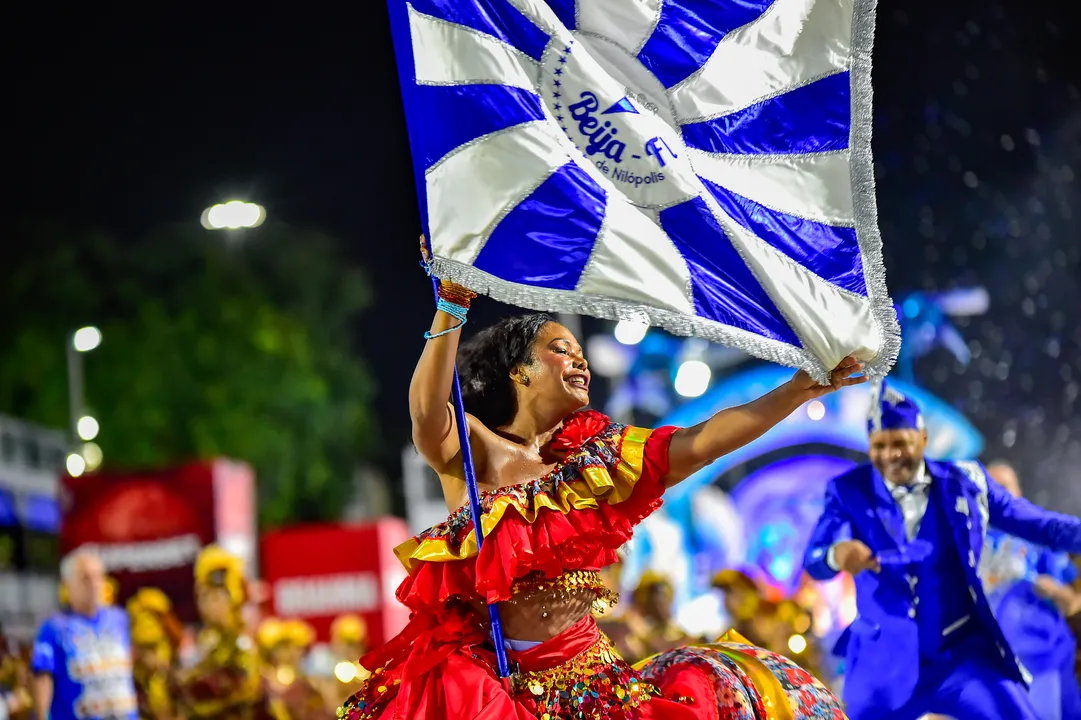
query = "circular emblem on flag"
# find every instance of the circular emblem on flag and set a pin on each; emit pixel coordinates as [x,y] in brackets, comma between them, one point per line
[617,130]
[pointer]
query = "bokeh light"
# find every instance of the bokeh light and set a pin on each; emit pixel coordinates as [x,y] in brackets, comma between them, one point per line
[86,339]
[630,332]
[93,456]
[345,671]
[75,464]
[87,427]
[233,215]
[692,378]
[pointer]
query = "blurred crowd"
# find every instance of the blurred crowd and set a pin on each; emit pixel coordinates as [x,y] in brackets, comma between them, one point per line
[227,667]
[140,661]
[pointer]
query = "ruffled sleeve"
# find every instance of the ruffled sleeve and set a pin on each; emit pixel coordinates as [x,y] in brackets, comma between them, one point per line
[573,519]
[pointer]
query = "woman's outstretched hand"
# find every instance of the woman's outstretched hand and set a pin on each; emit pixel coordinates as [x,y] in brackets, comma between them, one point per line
[845,374]
[691,449]
[425,253]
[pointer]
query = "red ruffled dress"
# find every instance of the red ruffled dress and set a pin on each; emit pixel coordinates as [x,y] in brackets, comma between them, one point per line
[561,529]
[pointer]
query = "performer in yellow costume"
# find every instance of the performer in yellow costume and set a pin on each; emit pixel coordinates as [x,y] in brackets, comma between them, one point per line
[655,629]
[290,694]
[333,668]
[155,641]
[225,682]
[348,641]
[15,680]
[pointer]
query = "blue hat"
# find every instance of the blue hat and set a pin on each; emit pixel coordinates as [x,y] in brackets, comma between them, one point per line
[891,410]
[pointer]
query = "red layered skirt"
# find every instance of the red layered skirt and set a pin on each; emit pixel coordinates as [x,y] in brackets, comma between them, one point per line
[443,668]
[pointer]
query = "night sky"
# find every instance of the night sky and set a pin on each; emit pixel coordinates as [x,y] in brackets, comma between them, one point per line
[125,122]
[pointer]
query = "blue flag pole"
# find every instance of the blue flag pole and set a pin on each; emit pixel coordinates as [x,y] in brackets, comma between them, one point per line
[403,52]
[474,495]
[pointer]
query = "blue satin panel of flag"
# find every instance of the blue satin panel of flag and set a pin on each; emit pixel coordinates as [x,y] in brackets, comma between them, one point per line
[700,165]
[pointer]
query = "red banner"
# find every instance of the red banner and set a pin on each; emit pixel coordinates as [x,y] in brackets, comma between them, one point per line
[148,527]
[318,572]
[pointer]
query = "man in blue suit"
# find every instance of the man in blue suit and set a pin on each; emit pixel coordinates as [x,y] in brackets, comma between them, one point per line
[910,531]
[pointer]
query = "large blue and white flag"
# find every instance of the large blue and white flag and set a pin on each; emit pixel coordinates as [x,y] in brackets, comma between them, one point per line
[701,165]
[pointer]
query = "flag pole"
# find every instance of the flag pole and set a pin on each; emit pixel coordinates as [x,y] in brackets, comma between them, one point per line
[474,494]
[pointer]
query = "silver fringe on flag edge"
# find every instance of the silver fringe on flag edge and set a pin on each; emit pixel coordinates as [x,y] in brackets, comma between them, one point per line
[862,170]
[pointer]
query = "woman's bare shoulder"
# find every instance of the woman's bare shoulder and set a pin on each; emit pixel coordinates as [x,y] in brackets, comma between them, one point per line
[482,443]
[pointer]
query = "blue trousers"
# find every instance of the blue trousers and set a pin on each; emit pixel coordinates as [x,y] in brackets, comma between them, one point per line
[968,686]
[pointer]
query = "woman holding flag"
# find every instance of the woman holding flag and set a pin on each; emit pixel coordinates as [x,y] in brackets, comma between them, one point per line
[705,167]
[561,490]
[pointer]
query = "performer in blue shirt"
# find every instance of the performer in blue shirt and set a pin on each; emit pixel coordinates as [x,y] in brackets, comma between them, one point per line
[910,531]
[82,655]
[1014,574]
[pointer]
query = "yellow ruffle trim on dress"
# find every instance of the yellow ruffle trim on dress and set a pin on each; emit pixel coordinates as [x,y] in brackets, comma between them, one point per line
[596,483]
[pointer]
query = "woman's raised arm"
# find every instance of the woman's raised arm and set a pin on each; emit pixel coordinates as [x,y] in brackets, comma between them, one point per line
[434,432]
[693,448]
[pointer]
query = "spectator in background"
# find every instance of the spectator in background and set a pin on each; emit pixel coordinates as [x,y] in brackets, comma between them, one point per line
[1018,577]
[82,656]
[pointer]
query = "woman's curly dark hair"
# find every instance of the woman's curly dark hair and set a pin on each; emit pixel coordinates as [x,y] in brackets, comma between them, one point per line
[485,363]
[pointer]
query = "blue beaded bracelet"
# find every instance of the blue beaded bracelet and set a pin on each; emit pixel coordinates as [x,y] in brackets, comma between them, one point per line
[458,311]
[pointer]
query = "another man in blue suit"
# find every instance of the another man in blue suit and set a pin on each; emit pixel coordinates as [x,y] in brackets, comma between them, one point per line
[910,531]
[1016,575]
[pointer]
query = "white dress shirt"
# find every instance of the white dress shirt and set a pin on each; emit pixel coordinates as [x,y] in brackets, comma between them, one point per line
[911,498]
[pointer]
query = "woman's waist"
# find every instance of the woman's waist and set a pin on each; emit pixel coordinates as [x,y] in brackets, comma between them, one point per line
[542,607]
[538,619]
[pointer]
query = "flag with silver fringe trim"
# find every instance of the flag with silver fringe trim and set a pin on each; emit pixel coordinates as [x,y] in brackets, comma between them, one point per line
[701,166]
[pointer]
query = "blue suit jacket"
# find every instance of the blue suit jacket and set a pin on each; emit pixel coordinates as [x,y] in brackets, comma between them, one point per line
[881,646]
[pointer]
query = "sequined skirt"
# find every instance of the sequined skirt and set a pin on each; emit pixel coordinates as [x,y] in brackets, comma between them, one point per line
[577,674]
[446,670]
[582,676]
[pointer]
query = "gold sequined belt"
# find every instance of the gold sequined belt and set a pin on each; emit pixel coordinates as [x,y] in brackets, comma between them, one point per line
[567,583]
[595,683]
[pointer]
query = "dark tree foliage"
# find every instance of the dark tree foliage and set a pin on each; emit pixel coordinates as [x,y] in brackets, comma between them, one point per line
[215,344]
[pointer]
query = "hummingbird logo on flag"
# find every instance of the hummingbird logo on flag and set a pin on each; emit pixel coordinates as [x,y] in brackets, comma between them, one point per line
[622,106]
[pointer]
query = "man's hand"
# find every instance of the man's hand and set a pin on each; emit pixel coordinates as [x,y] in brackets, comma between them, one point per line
[1065,597]
[853,557]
